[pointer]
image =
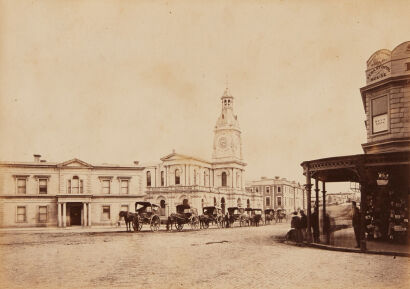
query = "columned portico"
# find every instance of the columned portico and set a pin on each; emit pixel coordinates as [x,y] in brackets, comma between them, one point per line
[74,210]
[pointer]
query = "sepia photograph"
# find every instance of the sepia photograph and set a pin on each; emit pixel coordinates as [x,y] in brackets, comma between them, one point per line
[204,144]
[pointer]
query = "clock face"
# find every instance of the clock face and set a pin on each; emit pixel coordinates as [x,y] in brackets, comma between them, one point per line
[222,142]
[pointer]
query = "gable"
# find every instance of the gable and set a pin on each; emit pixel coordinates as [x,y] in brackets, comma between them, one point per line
[75,163]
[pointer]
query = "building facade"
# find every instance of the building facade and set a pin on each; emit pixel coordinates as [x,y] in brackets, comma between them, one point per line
[180,178]
[279,193]
[74,192]
[41,194]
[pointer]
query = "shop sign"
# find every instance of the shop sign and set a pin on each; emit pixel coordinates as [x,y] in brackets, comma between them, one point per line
[379,123]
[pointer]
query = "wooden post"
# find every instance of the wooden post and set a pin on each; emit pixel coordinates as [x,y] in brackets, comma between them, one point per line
[309,213]
[316,229]
[324,213]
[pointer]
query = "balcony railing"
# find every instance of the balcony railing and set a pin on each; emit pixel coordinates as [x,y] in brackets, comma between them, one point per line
[187,189]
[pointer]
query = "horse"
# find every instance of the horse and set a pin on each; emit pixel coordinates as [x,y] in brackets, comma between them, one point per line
[172,220]
[128,218]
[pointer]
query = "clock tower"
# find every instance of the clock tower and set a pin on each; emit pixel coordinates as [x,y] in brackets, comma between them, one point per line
[227,134]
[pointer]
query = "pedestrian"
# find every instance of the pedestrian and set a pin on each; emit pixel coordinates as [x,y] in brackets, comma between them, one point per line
[226,220]
[303,224]
[295,224]
[356,223]
[315,225]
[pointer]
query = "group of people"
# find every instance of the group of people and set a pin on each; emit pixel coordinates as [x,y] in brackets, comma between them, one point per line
[298,225]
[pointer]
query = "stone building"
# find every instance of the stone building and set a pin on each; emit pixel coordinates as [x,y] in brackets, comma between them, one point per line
[279,193]
[74,192]
[180,178]
[41,193]
[383,170]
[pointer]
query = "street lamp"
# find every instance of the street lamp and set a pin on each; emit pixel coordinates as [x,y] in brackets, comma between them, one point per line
[382,179]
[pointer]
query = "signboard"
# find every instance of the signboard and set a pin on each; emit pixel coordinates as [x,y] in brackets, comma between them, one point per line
[379,123]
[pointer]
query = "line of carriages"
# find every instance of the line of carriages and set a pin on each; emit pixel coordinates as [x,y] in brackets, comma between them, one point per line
[147,213]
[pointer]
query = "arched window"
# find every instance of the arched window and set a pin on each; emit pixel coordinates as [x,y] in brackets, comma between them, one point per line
[239,202]
[248,203]
[177,177]
[162,179]
[148,179]
[223,179]
[214,201]
[185,202]
[75,185]
[162,207]
[194,177]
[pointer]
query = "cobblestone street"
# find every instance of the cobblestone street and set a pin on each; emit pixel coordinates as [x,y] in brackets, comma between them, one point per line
[225,258]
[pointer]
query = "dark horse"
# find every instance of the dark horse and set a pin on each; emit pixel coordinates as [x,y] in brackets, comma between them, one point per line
[128,218]
[172,220]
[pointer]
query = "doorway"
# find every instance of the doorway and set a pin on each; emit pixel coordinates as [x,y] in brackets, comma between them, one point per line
[75,215]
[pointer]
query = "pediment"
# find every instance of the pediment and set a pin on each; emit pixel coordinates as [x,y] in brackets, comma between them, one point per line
[174,157]
[75,163]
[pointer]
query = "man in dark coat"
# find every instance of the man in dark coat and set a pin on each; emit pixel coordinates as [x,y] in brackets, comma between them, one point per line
[303,224]
[315,226]
[295,224]
[356,223]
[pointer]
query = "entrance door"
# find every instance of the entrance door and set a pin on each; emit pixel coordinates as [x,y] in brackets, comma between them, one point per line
[75,216]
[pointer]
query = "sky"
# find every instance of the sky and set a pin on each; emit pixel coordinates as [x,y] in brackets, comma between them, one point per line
[119,81]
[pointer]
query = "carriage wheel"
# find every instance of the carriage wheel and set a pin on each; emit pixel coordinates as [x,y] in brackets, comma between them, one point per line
[155,223]
[179,226]
[194,223]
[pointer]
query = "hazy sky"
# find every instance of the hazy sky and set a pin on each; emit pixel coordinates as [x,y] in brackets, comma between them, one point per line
[118,81]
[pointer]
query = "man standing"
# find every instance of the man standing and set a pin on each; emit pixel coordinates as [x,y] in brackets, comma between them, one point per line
[295,224]
[303,224]
[356,223]
[315,225]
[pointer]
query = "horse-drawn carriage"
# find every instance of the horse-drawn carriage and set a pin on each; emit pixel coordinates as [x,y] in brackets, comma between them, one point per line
[255,217]
[269,215]
[238,214]
[281,215]
[184,215]
[212,215]
[146,213]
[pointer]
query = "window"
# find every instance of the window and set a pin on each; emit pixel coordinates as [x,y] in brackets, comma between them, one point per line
[177,177]
[106,186]
[148,179]
[162,207]
[267,189]
[106,212]
[407,66]
[379,114]
[194,177]
[237,180]
[278,189]
[223,179]
[124,208]
[204,179]
[75,185]
[21,214]
[279,200]
[124,186]
[21,185]
[257,189]
[162,179]
[267,201]
[42,214]
[42,186]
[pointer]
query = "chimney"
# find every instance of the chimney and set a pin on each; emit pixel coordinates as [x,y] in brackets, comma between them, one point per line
[43,161]
[37,158]
[276,178]
[136,163]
